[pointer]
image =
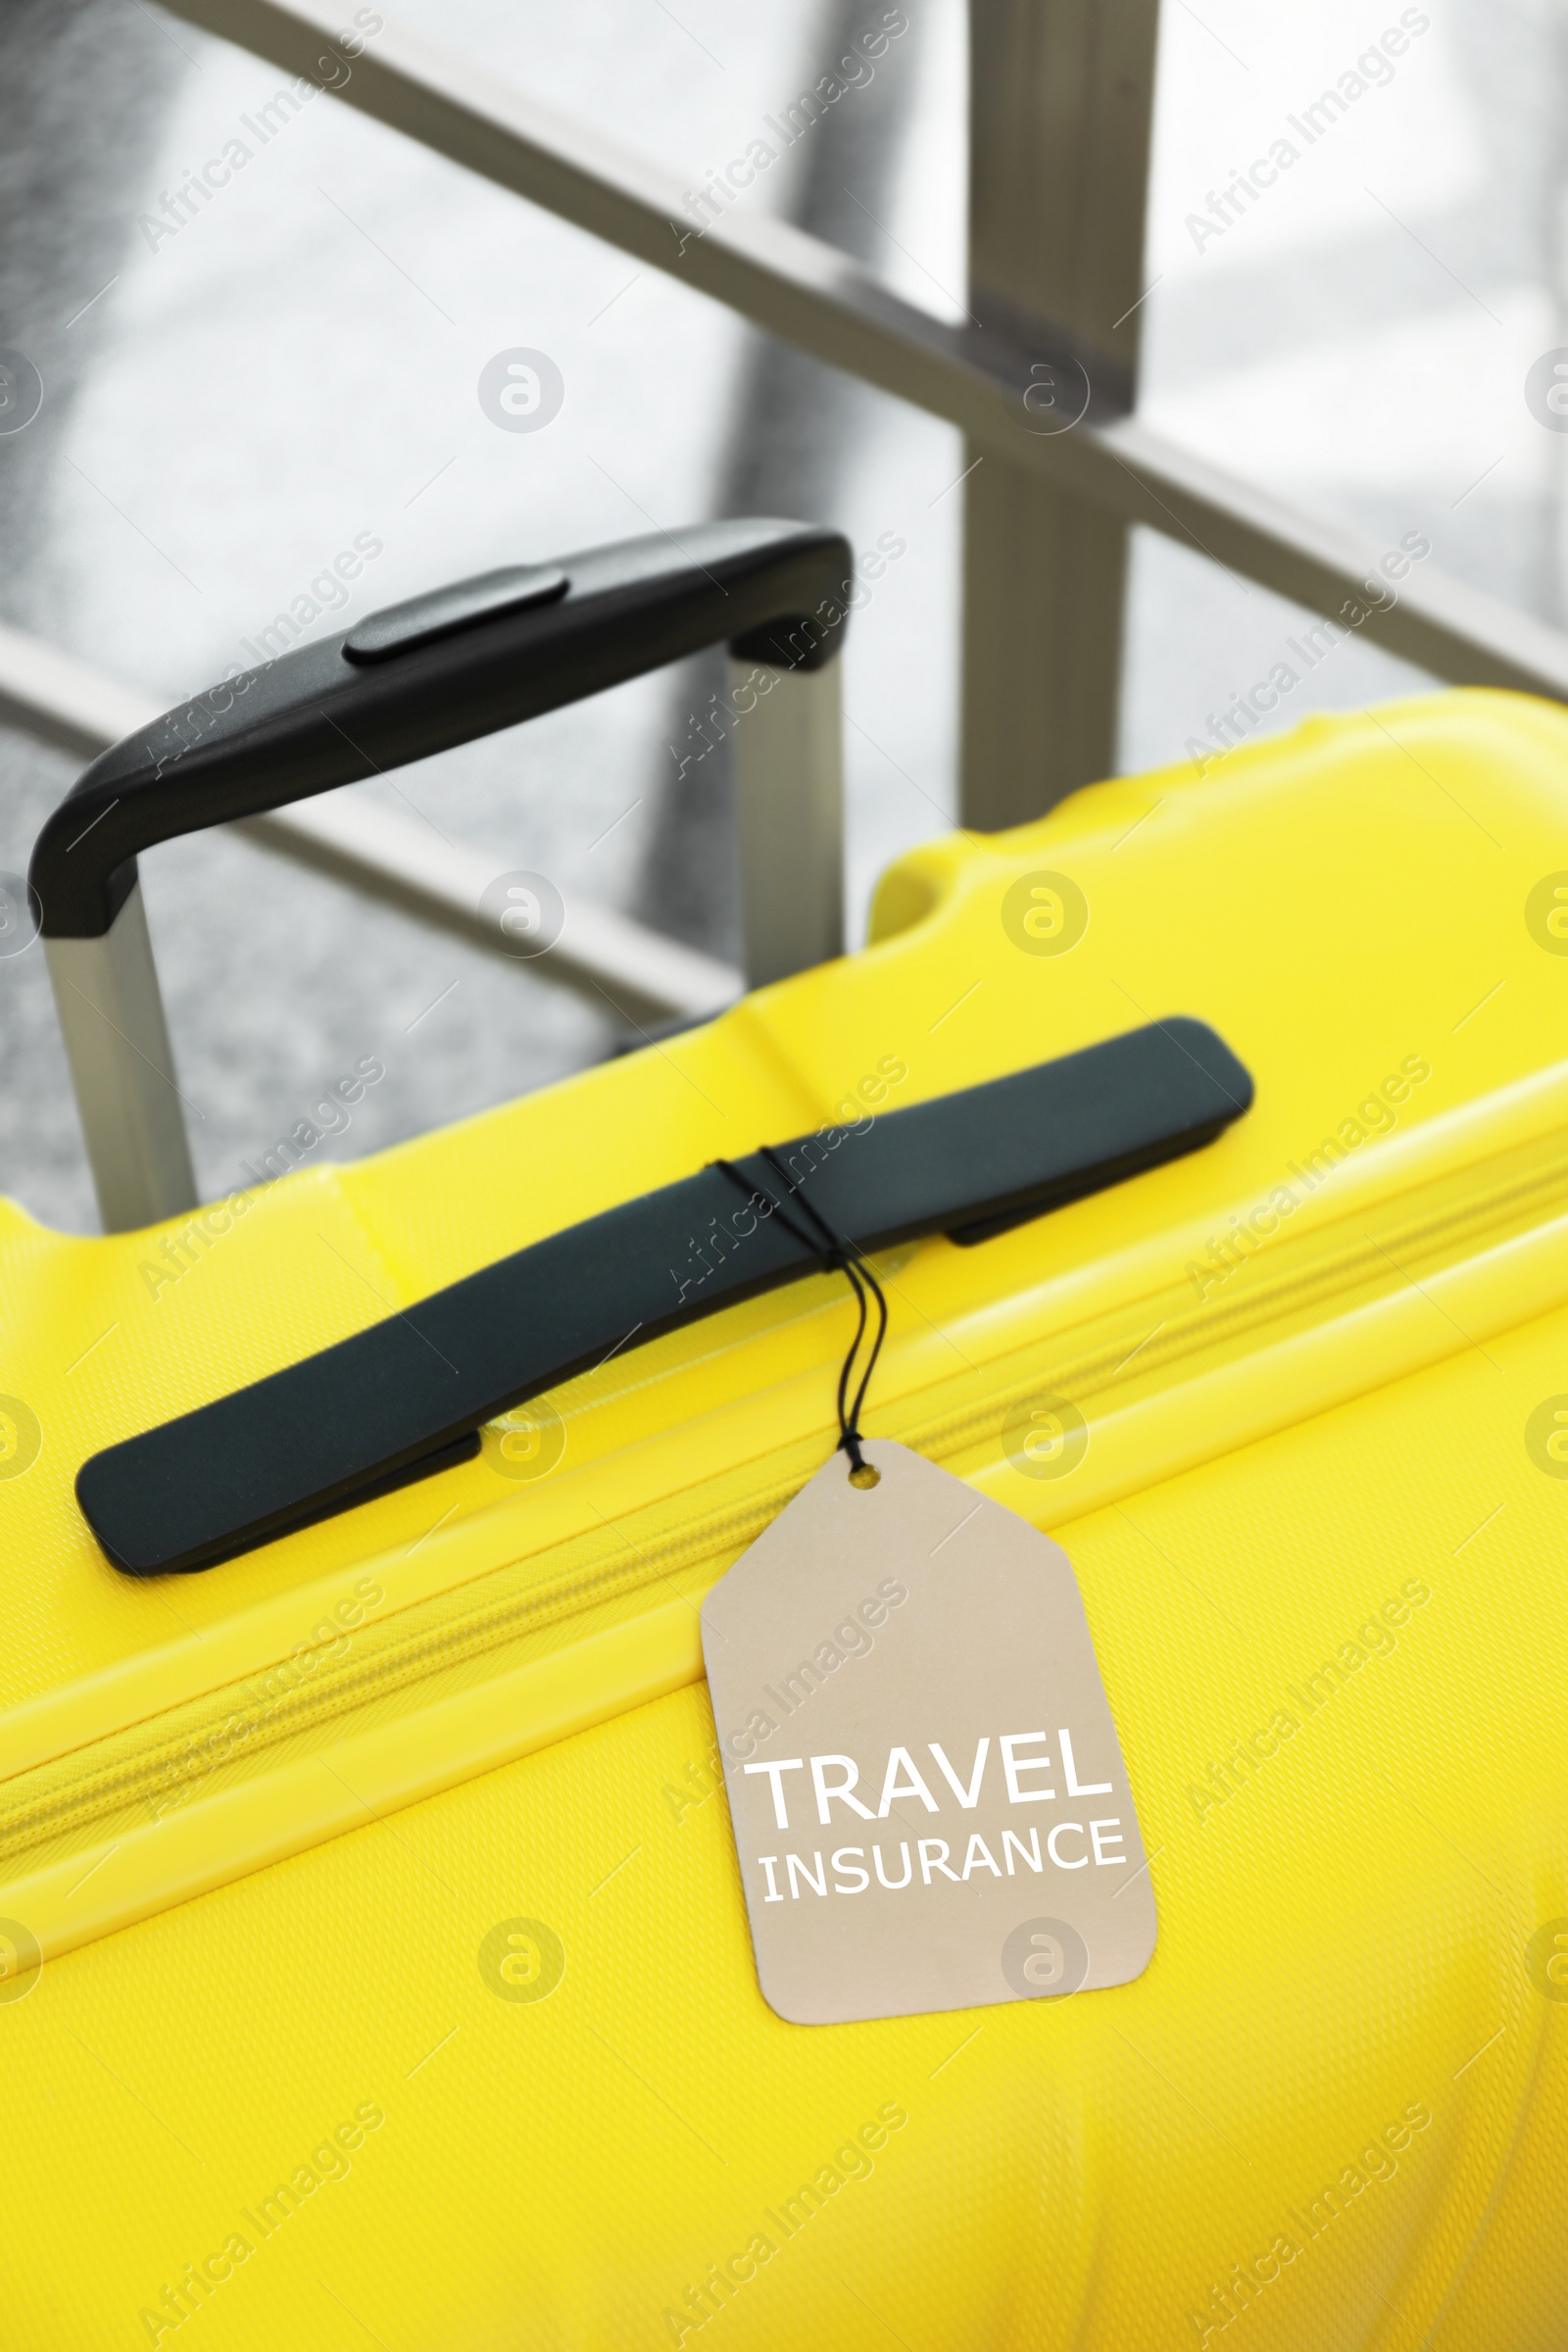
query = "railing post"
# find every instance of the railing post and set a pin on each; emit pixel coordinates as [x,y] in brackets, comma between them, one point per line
[1060,110]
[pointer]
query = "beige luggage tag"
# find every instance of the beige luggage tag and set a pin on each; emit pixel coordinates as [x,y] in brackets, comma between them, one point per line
[928,1795]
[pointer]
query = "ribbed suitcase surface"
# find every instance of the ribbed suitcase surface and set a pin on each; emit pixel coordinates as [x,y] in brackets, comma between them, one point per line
[395,1984]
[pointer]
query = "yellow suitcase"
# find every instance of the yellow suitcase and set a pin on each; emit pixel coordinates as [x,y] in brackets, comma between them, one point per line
[373,1967]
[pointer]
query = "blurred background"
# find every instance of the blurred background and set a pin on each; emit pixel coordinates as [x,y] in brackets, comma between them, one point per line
[230,404]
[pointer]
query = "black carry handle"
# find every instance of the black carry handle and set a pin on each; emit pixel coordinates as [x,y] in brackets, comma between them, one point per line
[424,675]
[407,1397]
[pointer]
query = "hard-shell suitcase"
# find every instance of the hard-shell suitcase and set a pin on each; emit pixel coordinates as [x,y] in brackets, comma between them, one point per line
[375,1967]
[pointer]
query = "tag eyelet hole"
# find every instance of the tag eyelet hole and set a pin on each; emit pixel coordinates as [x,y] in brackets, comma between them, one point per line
[866,1476]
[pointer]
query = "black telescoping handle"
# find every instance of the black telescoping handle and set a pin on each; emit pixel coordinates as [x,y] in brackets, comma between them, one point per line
[405,1397]
[424,675]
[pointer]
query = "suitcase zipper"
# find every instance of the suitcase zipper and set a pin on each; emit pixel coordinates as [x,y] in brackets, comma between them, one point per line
[141,1772]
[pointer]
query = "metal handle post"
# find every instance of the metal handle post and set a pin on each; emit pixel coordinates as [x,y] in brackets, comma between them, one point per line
[122,1069]
[789,773]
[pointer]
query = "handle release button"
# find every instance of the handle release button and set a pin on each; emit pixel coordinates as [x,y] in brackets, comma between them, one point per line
[399,628]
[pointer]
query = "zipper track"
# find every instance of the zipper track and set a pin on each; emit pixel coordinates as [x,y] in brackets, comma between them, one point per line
[56,1798]
[168,1757]
[1270,1300]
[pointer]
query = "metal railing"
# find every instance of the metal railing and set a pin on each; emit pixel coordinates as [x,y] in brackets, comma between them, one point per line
[1049,77]
[811,296]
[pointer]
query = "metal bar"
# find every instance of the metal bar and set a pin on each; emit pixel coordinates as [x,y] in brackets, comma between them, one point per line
[637,972]
[1044,577]
[122,1070]
[789,774]
[620,966]
[58,699]
[798,288]
[1061,114]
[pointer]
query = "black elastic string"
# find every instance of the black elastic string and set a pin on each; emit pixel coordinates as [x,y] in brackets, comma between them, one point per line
[842,1254]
